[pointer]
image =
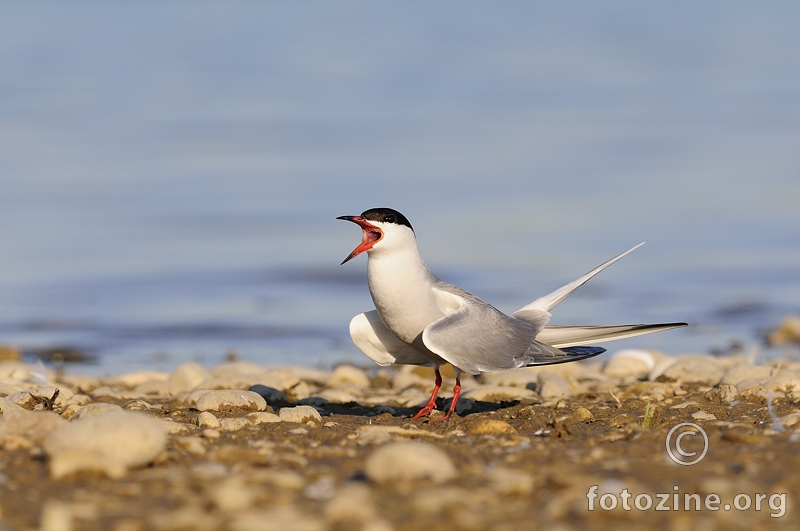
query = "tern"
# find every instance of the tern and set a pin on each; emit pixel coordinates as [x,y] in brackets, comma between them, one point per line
[420,319]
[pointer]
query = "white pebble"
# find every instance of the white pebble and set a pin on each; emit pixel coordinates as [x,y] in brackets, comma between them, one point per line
[98,408]
[207,420]
[233,424]
[300,414]
[347,374]
[187,376]
[110,443]
[408,461]
[552,386]
[230,398]
[262,417]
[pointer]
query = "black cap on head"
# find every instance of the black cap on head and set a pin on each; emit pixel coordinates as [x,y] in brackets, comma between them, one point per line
[386,215]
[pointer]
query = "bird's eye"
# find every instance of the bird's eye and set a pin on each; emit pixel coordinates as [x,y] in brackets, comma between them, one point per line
[388,219]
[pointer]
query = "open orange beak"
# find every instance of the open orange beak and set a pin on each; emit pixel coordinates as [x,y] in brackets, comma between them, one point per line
[372,235]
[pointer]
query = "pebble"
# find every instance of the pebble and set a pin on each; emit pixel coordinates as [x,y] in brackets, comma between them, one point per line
[723,394]
[551,385]
[582,414]
[210,433]
[694,368]
[703,415]
[110,443]
[272,396]
[230,398]
[22,428]
[188,376]
[336,396]
[783,382]
[409,461]
[132,379]
[497,393]
[171,427]
[233,424]
[347,374]
[262,417]
[738,373]
[300,414]
[7,405]
[630,363]
[490,426]
[788,331]
[207,420]
[97,408]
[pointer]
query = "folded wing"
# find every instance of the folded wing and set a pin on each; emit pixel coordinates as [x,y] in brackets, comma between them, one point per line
[568,336]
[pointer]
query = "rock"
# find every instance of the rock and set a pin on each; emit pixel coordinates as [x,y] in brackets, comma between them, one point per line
[750,383]
[788,331]
[497,393]
[133,379]
[188,376]
[722,394]
[630,364]
[695,368]
[703,415]
[784,382]
[582,414]
[490,426]
[138,405]
[158,388]
[738,373]
[7,389]
[97,408]
[172,427]
[207,420]
[261,417]
[110,443]
[56,516]
[15,371]
[7,405]
[337,396]
[347,374]
[193,445]
[233,424]
[382,434]
[230,399]
[232,494]
[272,396]
[300,414]
[551,386]
[409,461]
[22,428]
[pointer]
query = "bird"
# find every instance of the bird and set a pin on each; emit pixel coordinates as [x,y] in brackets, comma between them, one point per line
[420,319]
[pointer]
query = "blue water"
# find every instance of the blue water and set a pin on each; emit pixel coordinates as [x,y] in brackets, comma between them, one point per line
[170,172]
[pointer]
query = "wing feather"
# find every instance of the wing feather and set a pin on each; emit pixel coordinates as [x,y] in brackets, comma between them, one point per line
[380,345]
[567,336]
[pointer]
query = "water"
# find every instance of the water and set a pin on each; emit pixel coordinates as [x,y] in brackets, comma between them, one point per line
[171,172]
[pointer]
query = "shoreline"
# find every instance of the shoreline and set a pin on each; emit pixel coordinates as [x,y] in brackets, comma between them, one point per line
[313,449]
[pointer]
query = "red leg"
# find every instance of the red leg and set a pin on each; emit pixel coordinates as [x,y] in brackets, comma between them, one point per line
[456,393]
[431,405]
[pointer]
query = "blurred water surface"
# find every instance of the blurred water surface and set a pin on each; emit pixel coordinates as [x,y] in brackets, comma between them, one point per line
[170,172]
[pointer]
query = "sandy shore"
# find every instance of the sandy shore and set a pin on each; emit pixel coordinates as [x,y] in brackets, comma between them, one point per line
[314,450]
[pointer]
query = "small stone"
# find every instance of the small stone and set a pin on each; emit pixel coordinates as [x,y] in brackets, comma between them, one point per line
[138,405]
[722,394]
[582,414]
[703,415]
[409,461]
[207,420]
[497,393]
[210,433]
[133,379]
[110,443]
[158,388]
[193,445]
[490,426]
[700,369]
[97,408]
[30,426]
[784,382]
[738,373]
[788,331]
[56,516]
[630,363]
[188,376]
[233,424]
[300,414]
[272,396]
[750,383]
[337,396]
[171,427]
[7,405]
[232,494]
[262,417]
[229,399]
[347,374]
[551,386]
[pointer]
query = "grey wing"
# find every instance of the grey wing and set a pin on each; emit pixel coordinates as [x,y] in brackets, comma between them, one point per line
[476,337]
[567,336]
[380,345]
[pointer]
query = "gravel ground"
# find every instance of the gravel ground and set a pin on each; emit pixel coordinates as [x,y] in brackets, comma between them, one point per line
[245,447]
